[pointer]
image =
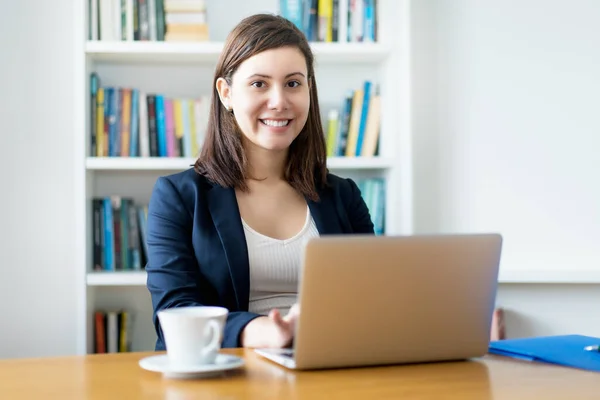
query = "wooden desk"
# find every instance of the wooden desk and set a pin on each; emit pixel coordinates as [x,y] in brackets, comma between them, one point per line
[118,376]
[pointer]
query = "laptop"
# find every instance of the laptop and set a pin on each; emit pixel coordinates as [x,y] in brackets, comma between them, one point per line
[381,300]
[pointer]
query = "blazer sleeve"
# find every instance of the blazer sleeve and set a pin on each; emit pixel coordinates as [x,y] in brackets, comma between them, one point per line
[356,209]
[173,274]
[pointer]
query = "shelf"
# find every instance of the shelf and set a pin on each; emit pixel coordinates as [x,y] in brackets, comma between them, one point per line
[208,52]
[129,278]
[180,164]
[138,278]
[138,163]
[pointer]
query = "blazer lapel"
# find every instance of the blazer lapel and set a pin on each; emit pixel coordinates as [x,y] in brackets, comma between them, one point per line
[225,213]
[325,214]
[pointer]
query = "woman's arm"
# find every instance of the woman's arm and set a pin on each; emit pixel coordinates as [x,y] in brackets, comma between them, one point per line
[173,274]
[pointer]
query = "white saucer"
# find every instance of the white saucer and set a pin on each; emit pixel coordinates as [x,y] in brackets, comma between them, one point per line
[160,363]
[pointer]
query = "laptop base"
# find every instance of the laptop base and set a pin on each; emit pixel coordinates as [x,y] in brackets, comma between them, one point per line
[283,357]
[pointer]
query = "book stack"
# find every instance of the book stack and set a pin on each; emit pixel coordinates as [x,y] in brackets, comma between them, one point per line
[186,21]
[126,20]
[341,21]
[353,129]
[372,191]
[118,234]
[112,331]
[128,122]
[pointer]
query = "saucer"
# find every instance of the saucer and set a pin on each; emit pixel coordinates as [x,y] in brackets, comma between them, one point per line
[160,363]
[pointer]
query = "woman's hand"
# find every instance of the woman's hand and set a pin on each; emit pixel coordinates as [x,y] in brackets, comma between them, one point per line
[273,331]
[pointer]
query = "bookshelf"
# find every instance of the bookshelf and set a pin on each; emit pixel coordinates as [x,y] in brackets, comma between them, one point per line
[185,70]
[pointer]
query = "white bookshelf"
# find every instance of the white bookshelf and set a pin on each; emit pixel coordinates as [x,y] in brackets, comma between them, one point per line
[186,69]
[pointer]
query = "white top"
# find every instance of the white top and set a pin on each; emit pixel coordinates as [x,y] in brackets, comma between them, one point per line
[275,267]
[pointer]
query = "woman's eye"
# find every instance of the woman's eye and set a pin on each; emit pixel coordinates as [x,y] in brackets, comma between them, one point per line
[258,84]
[294,84]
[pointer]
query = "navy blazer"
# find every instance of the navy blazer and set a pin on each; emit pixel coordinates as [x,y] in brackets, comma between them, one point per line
[197,253]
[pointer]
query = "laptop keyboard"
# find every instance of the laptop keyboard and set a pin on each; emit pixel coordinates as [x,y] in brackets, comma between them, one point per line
[287,352]
[280,352]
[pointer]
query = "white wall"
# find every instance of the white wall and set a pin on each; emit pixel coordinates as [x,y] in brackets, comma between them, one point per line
[507,138]
[537,310]
[37,271]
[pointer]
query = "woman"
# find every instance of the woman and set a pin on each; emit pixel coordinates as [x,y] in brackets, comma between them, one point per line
[230,231]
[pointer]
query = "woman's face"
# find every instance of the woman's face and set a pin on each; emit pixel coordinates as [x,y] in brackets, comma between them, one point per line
[270,98]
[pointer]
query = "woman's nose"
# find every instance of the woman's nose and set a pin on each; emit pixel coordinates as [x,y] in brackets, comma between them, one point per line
[277,99]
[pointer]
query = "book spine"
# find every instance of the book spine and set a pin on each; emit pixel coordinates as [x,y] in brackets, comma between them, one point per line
[161,129]
[134,237]
[144,141]
[112,332]
[99,121]
[135,124]
[369,17]
[160,20]
[364,112]
[152,133]
[170,126]
[187,136]
[178,123]
[192,112]
[125,123]
[143,20]
[135,5]
[94,84]
[100,332]
[96,226]
[335,20]
[124,234]
[109,259]
[344,125]
[116,219]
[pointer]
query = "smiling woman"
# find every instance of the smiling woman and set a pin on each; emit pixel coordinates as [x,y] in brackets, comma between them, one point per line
[266,85]
[230,232]
[270,104]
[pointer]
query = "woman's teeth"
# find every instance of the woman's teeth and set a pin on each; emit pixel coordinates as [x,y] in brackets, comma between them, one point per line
[270,122]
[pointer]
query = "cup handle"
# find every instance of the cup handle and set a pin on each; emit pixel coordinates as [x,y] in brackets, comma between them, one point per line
[213,329]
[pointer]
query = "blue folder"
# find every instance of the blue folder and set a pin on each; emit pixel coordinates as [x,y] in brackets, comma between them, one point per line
[565,350]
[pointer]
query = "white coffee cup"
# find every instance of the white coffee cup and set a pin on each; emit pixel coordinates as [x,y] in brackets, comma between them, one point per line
[192,335]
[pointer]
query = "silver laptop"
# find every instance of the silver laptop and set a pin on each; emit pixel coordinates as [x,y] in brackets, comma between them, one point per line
[380,300]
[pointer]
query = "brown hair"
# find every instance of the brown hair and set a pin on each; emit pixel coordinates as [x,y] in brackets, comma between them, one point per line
[222,159]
